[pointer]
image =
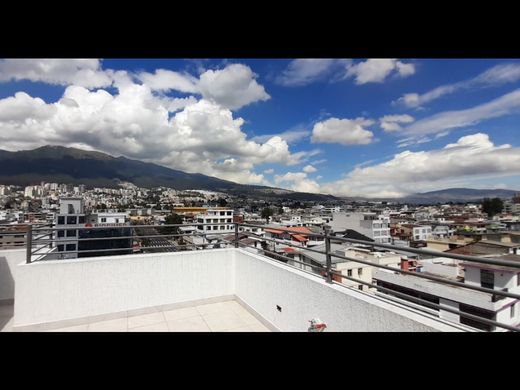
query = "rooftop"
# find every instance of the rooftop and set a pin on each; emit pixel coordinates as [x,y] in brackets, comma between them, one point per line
[225,316]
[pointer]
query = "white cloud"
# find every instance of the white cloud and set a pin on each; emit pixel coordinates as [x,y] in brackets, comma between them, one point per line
[269,171]
[83,72]
[473,156]
[203,137]
[447,120]
[390,123]
[305,71]
[299,182]
[343,131]
[495,76]
[232,87]
[167,80]
[22,107]
[376,70]
[290,136]
[309,169]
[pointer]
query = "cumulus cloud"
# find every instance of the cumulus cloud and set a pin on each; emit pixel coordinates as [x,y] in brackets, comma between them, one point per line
[232,87]
[474,156]
[495,76]
[297,181]
[390,123]
[83,72]
[305,71]
[376,70]
[202,137]
[269,171]
[309,169]
[343,131]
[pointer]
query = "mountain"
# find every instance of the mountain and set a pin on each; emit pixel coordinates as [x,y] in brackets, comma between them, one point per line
[59,164]
[458,195]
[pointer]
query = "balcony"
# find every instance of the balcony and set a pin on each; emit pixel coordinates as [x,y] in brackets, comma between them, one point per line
[208,290]
[234,288]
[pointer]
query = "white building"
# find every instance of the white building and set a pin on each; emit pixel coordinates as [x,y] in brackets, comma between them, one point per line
[422,232]
[350,268]
[371,225]
[500,309]
[220,215]
[71,214]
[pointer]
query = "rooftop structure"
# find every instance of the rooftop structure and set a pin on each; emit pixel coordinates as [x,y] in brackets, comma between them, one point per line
[274,288]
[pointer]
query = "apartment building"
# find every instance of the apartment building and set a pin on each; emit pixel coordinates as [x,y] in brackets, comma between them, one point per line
[377,227]
[220,215]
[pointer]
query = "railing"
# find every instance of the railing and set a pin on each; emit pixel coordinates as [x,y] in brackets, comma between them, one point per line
[36,239]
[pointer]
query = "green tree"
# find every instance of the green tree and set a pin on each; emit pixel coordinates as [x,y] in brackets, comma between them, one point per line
[492,206]
[266,213]
[172,219]
[222,202]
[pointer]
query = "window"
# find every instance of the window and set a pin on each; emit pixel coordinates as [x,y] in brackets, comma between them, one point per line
[229,220]
[360,271]
[103,219]
[222,227]
[349,272]
[487,279]
[81,219]
[360,287]
[70,209]
[60,248]
[222,213]
[61,233]
[61,220]
[199,227]
[71,220]
[71,233]
[70,247]
[228,213]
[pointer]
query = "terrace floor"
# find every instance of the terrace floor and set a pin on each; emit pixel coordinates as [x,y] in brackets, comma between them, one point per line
[228,316]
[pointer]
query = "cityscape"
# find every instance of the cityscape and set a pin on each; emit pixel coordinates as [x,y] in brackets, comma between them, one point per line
[140,200]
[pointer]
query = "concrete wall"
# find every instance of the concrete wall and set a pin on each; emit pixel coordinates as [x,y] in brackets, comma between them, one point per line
[67,289]
[264,284]
[64,290]
[9,259]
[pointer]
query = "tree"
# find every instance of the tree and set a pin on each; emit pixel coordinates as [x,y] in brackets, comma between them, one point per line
[222,202]
[172,219]
[492,206]
[266,213]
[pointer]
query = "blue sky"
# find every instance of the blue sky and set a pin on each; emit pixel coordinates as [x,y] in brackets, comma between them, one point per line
[353,127]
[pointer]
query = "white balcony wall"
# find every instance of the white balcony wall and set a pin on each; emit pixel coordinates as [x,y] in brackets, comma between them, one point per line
[61,290]
[263,284]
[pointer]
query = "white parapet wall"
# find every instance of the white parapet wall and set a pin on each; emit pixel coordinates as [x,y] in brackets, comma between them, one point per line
[289,298]
[51,292]
[60,290]
[9,260]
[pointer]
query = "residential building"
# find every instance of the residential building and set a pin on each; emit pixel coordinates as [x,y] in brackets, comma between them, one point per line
[377,227]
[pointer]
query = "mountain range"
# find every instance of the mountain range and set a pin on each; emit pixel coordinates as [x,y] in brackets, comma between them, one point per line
[95,169]
[59,164]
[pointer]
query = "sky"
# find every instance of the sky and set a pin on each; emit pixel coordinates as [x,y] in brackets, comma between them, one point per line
[346,127]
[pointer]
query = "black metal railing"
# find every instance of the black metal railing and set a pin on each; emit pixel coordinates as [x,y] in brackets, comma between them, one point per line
[42,245]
